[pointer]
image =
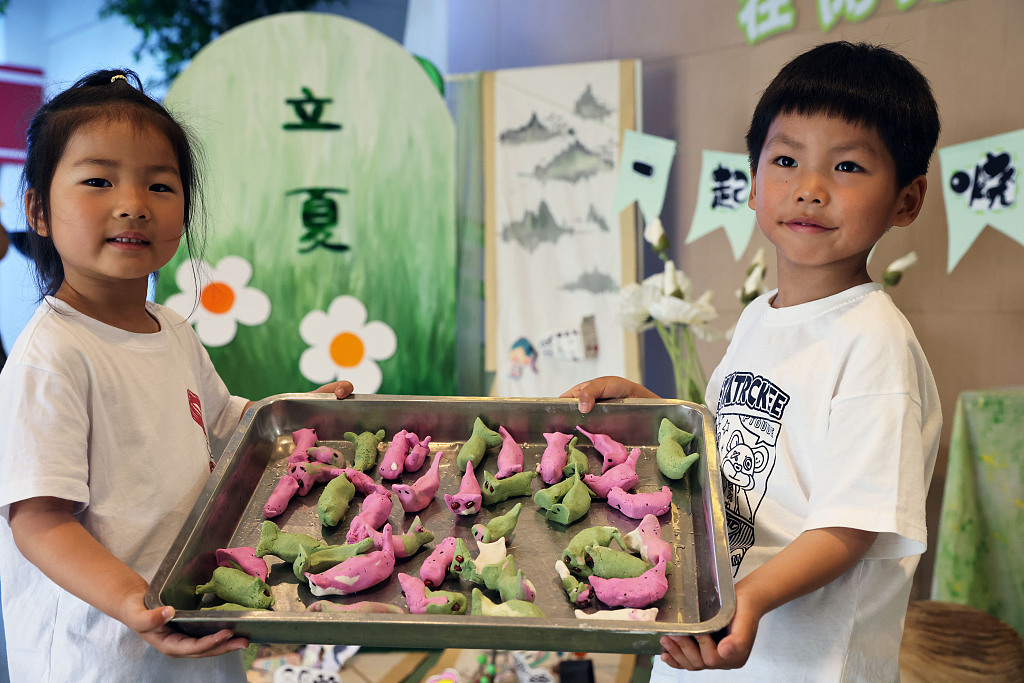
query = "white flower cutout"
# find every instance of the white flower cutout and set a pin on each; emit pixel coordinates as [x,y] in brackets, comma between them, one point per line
[342,345]
[224,298]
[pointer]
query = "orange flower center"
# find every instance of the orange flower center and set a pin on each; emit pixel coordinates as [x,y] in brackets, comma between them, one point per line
[347,350]
[217,297]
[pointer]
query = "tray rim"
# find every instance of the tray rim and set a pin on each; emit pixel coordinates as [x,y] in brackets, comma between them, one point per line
[250,623]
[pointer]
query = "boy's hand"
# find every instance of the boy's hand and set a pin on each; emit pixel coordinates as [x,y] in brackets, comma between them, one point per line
[340,389]
[695,653]
[593,390]
[152,626]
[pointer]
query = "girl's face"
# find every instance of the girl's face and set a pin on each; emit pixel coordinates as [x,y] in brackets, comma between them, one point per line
[116,205]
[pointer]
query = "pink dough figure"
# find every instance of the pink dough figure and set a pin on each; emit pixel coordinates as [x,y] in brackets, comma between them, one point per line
[435,567]
[639,505]
[407,544]
[418,455]
[326,455]
[363,482]
[614,452]
[646,541]
[244,558]
[422,600]
[467,500]
[510,457]
[287,487]
[393,463]
[310,474]
[356,573]
[375,510]
[554,457]
[416,496]
[622,475]
[636,592]
[303,439]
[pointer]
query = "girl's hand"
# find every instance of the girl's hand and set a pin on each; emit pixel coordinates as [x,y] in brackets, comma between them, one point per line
[591,391]
[152,626]
[340,389]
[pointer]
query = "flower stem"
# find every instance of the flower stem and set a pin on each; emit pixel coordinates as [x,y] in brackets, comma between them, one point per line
[675,341]
[696,369]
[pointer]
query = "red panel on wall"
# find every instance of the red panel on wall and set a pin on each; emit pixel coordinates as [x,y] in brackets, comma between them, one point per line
[21,93]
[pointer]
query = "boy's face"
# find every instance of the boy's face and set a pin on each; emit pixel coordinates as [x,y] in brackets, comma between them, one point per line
[825,191]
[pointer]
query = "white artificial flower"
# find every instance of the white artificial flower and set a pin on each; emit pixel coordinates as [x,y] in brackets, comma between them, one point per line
[753,286]
[342,345]
[654,232]
[633,311]
[659,282]
[669,285]
[894,273]
[224,298]
[697,314]
[902,263]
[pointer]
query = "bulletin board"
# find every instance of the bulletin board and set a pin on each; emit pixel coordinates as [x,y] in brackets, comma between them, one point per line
[331,197]
[556,252]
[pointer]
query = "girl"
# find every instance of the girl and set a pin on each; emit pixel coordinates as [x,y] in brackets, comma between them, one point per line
[110,410]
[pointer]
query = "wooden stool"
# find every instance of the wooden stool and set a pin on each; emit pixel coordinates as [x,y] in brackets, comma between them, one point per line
[944,641]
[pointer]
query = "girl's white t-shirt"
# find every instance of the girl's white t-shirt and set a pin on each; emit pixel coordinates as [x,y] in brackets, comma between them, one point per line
[125,425]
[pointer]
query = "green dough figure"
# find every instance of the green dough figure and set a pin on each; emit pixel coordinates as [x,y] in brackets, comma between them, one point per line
[482,438]
[283,544]
[502,525]
[321,560]
[577,460]
[574,505]
[234,585]
[455,602]
[462,564]
[366,448]
[413,540]
[510,582]
[497,490]
[614,564]
[672,459]
[546,498]
[574,555]
[512,608]
[334,500]
[578,592]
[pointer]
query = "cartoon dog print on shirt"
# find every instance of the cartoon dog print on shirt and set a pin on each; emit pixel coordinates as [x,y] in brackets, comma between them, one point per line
[748,423]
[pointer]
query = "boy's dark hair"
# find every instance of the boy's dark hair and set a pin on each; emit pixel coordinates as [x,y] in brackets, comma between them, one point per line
[102,95]
[861,83]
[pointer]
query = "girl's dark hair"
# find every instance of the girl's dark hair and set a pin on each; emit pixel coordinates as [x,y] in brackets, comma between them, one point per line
[102,95]
[861,83]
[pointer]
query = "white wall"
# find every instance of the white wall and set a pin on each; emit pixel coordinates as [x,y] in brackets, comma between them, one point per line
[66,39]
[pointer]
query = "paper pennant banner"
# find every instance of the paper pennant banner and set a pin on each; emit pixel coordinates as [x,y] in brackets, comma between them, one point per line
[979,185]
[643,172]
[722,200]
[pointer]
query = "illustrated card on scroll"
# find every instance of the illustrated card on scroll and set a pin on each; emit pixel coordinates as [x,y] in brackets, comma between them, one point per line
[557,251]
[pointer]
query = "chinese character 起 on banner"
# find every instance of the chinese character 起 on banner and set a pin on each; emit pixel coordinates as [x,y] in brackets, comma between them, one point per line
[722,200]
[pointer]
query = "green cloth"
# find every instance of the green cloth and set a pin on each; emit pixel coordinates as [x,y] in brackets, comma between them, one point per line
[980,558]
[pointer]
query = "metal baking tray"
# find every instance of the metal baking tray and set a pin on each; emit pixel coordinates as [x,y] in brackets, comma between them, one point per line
[229,513]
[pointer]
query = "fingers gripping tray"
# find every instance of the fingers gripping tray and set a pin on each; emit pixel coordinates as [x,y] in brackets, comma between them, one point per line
[229,513]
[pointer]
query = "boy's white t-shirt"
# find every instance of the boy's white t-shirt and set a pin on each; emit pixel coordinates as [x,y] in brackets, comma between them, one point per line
[116,422]
[827,415]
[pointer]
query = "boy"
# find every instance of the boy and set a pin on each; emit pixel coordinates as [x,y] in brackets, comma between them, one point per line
[826,412]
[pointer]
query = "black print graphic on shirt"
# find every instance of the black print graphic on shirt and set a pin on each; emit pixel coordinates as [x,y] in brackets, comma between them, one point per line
[747,427]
